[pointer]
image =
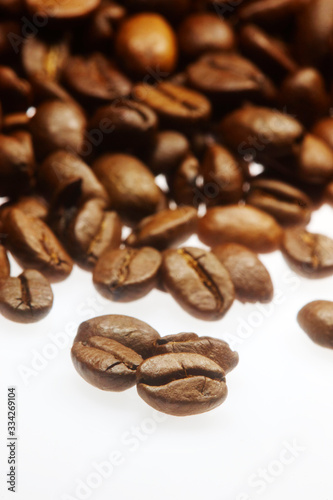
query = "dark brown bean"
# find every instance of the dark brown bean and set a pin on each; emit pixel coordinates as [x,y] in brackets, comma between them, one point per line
[215,349]
[314,161]
[181,384]
[250,277]
[105,363]
[4,263]
[309,254]
[198,282]
[17,163]
[245,225]
[316,319]
[167,152]
[127,274]
[25,299]
[164,229]
[183,184]
[103,25]
[130,332]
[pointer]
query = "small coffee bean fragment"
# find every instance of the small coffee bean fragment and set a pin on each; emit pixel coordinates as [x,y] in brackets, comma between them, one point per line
[127,274]
[181,384]
[309,254]
[316,319]
[250,277]
[215,349]
[25,299]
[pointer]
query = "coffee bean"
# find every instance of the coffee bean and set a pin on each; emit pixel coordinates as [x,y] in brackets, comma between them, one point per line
[183,184]
[245,225]
[204,32]
[316,319]
[229,79]
[324,130]
[167,152]
[250,277]
[215,349]
[314,161]
[105,363]
[130,185]
[127,274]
[198,282]
[53,9]
[287,204]
[309,254]
[17,163]
[130,332]
[269,13]
[15,122]
[58,125]
[222,176]
[146,42]
[181,384]
[4,263]
[25,299]
[176,106]
[34,245]
[34,206]
[103,25]
[166,228]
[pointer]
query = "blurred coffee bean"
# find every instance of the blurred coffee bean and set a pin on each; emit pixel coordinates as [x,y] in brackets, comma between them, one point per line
[4,263]
[166,152]
[17,163]
[44,58]
[324,130]
[245,225]
[130,185]
[287,204]
[250,277]
[316,319]
[25,299]
[61,11]
[146,43]
[127,274]
[269,13]
[183,183]
[16,93]
[314,161]
[15,122]
[164,229]
[103,25]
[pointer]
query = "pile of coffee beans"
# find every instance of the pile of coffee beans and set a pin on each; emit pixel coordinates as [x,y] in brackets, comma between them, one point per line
[127,126]
[181,374]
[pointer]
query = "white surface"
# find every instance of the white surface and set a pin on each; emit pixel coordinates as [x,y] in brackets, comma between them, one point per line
[280,395]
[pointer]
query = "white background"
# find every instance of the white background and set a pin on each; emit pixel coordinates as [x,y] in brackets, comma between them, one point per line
[280,397]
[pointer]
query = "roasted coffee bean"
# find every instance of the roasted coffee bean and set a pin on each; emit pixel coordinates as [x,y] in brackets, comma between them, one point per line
[130,332]
[250,277]
[181,384]
[229,79]
[167,152]
[164,229]
[53,9]
[15,122]
[58,125]
[123,124]
[309,254]
[44,59]
[95,79]
[205,32]
[176,106]
[324,130]
[198,282]
[215,349]
[269,53]
[34,206]
[304,94]
[16,93]
[314,161]
[127,274]
[146,41]
[245,225]
[287,204]
[256,131]
[103,25]
[130,185]
[222,177]
[269,13]
[25,299]
[17,163]
[106,363]
[34,245]
[316,319]
[90,231]
[4,263]
[183,184]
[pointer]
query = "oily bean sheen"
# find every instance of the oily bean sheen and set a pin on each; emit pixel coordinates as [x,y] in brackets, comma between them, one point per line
[250,277]
[215,349]
[4,263]
[316,319]
[176,106]
[130,185]
[106,363]
[69,9]
[25,299]
[34,245]
[245,225]
[287,204]
[198,282]
[166,228]
[309,254]
[127,274]
[130,332]
[146,41]
[181,384]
